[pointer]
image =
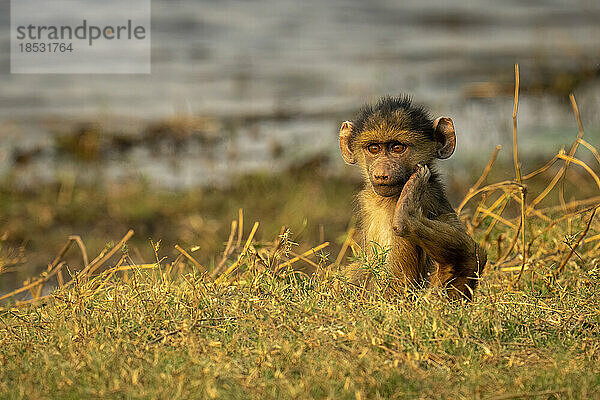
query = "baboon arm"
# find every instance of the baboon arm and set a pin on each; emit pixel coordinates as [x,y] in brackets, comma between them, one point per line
[446,242]
[444,239]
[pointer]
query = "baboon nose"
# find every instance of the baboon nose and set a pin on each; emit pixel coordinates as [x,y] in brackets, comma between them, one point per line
[382,178]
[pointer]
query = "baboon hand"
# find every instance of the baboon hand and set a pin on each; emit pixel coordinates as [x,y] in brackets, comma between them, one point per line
[411,197]
[408,207]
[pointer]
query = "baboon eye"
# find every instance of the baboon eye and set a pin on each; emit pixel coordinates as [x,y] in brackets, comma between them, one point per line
[374,148]
[397,148]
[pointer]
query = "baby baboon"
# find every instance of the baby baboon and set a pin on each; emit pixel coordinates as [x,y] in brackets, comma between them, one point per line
[403,206]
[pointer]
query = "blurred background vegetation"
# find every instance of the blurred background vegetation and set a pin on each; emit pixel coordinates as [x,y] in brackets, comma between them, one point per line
[242,108]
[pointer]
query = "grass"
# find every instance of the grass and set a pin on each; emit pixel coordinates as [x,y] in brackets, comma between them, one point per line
[267,335]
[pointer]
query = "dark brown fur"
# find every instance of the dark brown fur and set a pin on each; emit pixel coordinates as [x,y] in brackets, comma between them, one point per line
[403,206]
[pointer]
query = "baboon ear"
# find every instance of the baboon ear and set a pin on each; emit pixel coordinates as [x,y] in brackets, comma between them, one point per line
[444,130]
[345,132]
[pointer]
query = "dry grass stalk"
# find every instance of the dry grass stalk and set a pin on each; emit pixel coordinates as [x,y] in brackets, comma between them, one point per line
[573,248]
[228,250]
[298,258]
[234,266]
[347,242]
[190,258]
[522,191]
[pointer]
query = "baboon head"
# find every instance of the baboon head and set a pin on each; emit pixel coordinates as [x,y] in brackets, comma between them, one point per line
[390,138]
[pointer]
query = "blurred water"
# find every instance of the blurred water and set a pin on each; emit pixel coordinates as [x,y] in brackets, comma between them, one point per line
[316,62]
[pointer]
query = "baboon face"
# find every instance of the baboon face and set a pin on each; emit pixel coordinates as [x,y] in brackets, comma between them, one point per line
[390,139]
[388,166]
